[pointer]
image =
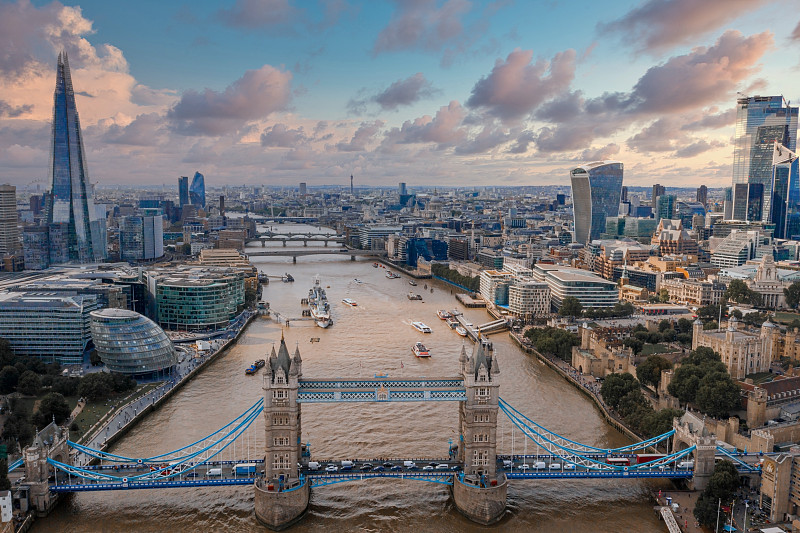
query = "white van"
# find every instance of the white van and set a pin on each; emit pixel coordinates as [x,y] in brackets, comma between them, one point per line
[313,465]
[347,465]
[507,464]
[539,465]
[555,466]
[687,465]
[214,472]
[409,464]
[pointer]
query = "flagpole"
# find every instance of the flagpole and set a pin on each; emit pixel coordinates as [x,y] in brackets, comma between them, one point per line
[719,504]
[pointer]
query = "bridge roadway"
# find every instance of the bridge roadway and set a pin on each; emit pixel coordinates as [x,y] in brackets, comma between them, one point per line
[311,251]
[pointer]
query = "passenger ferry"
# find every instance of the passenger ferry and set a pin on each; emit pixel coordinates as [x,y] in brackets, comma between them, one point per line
[461,331]
[421,327]
[350,302]
[443,314]
[452,322]
[420,350]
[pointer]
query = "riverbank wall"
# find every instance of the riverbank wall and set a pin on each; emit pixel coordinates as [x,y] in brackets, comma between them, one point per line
[168,394]
[612,421]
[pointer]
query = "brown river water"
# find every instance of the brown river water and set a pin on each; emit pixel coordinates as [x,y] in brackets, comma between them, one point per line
[374,337]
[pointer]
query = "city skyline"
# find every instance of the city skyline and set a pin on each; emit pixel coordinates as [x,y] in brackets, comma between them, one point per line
[459,93]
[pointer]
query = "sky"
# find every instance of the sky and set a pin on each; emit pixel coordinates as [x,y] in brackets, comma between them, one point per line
[429,92]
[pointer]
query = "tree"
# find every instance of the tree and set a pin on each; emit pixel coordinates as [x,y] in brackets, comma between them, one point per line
[250,296]
[710,325]
[616,386]
[684,325]
[6,353]
[570,306]
[52,406]
[554,341]
[739,292]
[659,422]
[5,483]
[664,325]
[649,371]
[792,295]
[9,376]
[29,383]
[663,296]
[718,395]
[65,386]
[96,386]
[634,344]
[722,486]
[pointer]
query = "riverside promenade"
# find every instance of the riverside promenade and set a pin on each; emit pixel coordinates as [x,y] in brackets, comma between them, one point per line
[119,421]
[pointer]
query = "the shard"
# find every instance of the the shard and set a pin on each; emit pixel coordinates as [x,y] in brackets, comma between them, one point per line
[72,200]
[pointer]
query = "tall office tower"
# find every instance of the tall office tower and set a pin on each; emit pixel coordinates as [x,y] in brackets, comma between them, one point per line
[72,200]
[596,192]
[303,188]
[760,121]
[665,207]
[401,188]
[727,204]
[561,199]
[786,193]
[9,230]
[183,191]
[222,205]
[141,237]
[624,193]
[197,192]
[702,194]
[658,190]
[351,184]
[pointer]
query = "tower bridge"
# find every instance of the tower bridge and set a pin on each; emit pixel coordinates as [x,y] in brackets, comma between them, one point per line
[282,473]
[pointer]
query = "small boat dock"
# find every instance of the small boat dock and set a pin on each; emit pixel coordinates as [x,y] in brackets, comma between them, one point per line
[468,301]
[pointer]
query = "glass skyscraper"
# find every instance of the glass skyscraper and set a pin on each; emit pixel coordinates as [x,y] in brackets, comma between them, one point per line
[197,191]
[596,193]
[786,193]
[760,122]
[72,200]
[183,191]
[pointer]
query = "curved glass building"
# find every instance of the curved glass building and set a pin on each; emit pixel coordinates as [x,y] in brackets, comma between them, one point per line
[596,193]
[197,191]
[130,343]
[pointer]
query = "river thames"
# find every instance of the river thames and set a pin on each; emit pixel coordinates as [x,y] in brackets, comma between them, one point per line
[374,337]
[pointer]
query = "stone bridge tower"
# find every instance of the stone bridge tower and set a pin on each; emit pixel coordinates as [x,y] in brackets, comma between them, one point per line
[281,497]
[481,493]
[691,431]
[49,443]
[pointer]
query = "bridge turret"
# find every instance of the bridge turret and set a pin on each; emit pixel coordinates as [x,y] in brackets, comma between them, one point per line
[481,493]
[281,496]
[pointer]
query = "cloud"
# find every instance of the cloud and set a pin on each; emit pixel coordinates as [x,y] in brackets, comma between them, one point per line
[712,121]
[516,87]
[697,148]
[144,130]
[400,93]
[600,154]
[796,33]
[253,96]
[524,139]
[7,110]
[422,24]
[253,14]
[658,25]
[445,129]
[487,139]
[280,136]
[667,135]
[366,133]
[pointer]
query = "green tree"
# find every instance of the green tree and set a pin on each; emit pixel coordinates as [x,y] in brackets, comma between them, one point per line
[649,370]
[684,325]
[663,296]
[722,486]
[29,383]
[659,422]
[5,483]
[616,386]
[9,376]
[792,295]
[570,306]
[634,344]
[6,353]
[52,406]
[554,341]
[96,386]
[65,386]
[718,395]
[710,325]
[664,325]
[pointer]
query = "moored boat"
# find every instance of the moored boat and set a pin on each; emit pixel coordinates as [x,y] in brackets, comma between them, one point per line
[444,315]
[318,302]
[420,350]
[412,296]
[412,283]
[421,327]
[461,331]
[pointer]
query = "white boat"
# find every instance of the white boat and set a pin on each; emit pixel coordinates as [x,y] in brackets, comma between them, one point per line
[320,308]
[461,331]
[420,350]
[357,280]
[350,302]
[444,315]
[412,283]
[421,327]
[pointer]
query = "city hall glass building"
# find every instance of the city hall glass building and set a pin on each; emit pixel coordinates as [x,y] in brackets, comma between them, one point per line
[760,121]
[596,194]
[131,344]
[71,203]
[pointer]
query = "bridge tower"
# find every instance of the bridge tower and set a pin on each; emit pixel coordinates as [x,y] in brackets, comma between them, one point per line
[51,442]
[281,497]
[480,494]
[691,431]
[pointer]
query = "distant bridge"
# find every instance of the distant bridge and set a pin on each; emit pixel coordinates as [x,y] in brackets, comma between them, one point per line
[305,238]
[294,254]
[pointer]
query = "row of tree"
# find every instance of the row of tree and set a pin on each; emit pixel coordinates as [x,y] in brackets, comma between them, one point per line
[623,393]
[572,307]
[553,341]
[444,271]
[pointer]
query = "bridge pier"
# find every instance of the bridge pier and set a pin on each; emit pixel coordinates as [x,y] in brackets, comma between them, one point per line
[280,509]
[326,244]
[305,242]
[284,243]
[294,257]
[484,505]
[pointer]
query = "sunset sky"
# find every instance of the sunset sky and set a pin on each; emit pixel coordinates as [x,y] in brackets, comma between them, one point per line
[430,92]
